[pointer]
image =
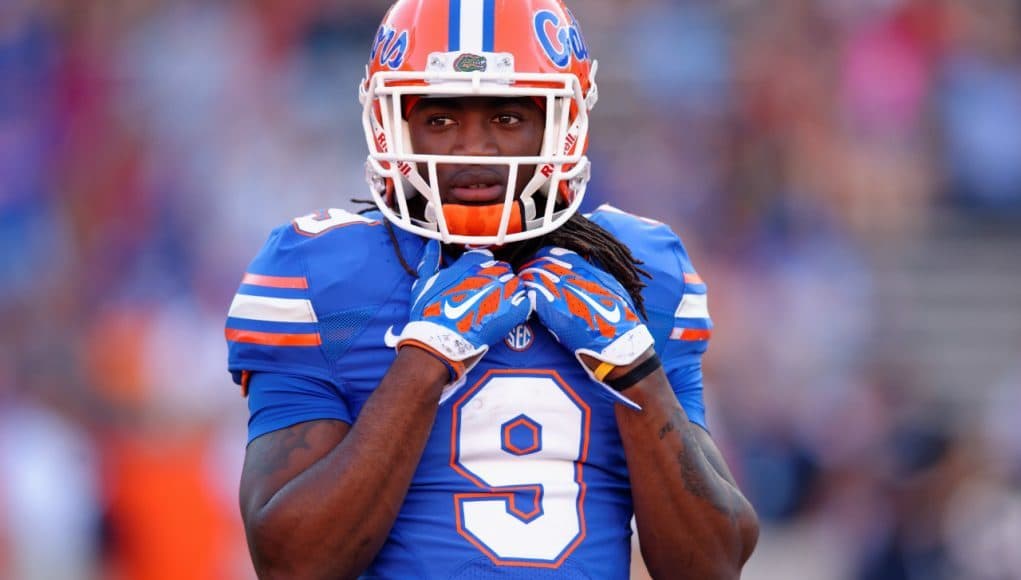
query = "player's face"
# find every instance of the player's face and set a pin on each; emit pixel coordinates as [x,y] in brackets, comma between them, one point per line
[485,126]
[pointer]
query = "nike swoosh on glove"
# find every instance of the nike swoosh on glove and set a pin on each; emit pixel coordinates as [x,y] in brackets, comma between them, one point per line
[587,310]
[459,311]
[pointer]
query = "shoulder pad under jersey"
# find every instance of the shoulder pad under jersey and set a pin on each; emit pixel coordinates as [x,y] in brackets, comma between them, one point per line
[675,296]
[312,287]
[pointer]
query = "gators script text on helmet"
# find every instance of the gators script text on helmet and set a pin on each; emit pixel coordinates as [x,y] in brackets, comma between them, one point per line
[455,48]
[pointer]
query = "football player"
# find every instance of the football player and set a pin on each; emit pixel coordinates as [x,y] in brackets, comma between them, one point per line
[474,380]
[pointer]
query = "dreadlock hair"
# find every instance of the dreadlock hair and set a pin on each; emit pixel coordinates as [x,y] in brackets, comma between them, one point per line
[578,234]
[592,242]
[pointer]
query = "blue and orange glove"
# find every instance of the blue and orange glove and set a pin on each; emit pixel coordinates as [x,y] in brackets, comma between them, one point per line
[588,311]
[459,311]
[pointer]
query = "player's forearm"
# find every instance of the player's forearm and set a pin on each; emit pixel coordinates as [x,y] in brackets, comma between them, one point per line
[332,519]
[692,520]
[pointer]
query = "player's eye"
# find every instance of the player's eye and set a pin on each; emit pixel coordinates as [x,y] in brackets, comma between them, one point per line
[507,119]
[439,121]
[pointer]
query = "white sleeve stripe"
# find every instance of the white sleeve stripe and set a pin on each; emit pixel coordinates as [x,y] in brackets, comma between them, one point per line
[693,306]
[272,309]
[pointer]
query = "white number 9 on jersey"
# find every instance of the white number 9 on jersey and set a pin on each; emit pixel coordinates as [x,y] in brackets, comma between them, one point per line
[521,438]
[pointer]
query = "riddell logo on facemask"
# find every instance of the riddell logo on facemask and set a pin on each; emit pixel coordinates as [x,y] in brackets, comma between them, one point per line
[547,170]
[381,144]
[569,143]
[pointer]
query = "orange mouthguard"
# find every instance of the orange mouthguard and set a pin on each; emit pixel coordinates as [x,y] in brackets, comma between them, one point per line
[480,220]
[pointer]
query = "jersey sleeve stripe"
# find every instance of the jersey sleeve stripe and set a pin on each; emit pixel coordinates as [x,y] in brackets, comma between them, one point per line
[270,292]
[292,282]
[272,338]
[693,278]
[272,309]
[693,306]
[691,334]
[274,327]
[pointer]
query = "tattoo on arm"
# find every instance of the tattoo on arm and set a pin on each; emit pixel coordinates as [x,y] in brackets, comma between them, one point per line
[696,478]
[667,428]
[701,480]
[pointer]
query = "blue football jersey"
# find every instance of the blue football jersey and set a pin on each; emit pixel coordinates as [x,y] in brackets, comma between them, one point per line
[523,475]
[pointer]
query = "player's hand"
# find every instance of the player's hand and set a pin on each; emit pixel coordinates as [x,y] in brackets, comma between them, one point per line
[588,311]
[459,311]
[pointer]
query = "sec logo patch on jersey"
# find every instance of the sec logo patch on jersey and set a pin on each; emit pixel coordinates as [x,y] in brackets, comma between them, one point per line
[520,338]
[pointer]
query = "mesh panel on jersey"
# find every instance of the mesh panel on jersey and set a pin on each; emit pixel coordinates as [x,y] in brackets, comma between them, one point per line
[339,330]
[483,569]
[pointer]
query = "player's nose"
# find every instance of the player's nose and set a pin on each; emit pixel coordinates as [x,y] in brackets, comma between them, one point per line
[476,137]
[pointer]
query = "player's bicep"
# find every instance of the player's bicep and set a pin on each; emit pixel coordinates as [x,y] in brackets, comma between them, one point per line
[294,421]
[274,459]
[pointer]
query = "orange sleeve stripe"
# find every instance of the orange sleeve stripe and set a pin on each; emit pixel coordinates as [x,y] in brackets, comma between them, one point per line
[691,334]
[692,278]
[272,338]
[295,283]
[246,377]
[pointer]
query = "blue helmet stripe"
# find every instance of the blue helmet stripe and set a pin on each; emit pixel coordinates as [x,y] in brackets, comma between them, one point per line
[454,26]
[488,25]
[471,25]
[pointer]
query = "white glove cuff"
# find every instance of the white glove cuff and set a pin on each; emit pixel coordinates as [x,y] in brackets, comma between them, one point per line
[447,342]
[626,349]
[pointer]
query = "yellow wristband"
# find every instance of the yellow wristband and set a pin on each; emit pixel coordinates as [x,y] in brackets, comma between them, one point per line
[602,370]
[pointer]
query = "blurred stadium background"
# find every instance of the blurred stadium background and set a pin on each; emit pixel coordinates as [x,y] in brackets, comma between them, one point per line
[845,173]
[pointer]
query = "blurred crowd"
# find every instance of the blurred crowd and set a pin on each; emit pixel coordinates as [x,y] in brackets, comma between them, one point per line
[147,147]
